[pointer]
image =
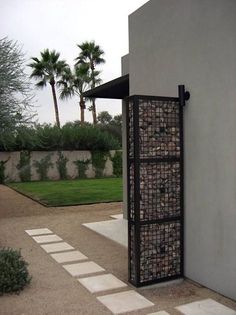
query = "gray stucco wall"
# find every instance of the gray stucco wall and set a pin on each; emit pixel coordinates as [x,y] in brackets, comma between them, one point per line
[125,64]
[194,43]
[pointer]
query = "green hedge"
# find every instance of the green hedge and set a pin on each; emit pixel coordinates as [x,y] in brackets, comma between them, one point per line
[69,137]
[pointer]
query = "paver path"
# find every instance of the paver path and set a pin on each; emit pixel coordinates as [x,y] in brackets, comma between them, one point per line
[117,303]
[52,291]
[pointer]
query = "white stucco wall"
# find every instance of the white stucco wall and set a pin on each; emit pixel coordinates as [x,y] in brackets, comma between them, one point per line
[193,42]
[124,70]
[12,173]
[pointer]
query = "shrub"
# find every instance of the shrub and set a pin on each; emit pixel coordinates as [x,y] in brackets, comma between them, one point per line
[2,171]
[71,136]
[61,165]
[14,275]
[87,138]
[112,125]
[43,166]
[82,167]
[74,137]
[24,166]
[117,163]
[99,159]
[25,139]
[7,141]
[114,131]
[48,138]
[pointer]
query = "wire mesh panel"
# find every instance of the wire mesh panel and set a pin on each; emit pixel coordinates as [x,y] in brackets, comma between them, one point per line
[159,128]
[155,189]
[159,190]
[160,251]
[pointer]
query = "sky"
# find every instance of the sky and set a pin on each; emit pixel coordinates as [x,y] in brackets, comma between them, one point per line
[60,25]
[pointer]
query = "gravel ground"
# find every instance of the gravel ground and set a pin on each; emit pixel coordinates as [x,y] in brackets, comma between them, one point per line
[53,290]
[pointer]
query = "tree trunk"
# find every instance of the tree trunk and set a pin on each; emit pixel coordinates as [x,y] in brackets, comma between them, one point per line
[55,105]
[94,112]
[82,108]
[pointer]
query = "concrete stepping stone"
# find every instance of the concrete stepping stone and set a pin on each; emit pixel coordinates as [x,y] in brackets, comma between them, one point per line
[117,216]
[159,313]
[47,238]
[38,231]
[56,247]
[69,256]
[205,307]
[116,230]
[102,283]
[84,268]
[123,302]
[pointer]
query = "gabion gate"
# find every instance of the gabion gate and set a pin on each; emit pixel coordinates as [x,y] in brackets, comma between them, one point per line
[155,187]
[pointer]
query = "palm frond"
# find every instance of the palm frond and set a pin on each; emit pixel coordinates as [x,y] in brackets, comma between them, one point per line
[66,92]
[37,74]
[45,55]
[90,53]
[41,84]
[35,59]
[54,57]
[48,68]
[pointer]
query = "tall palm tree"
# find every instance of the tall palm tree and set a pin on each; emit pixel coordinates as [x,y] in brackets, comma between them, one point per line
[48,69]
[75,83]
[92,55]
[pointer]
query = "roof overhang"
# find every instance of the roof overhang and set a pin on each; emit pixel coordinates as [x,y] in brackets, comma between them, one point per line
[117,89]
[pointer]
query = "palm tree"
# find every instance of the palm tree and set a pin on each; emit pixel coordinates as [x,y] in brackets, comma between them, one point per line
[75,83]
[48,69]
[91,54]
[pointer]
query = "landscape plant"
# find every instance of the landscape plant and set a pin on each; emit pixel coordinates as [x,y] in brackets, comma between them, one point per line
[24,166]
[75,83]
[2,171]
[15,91]
[99,159]
[111,125]
[87,138]
[61,165]
[117,163]
[43,166]
[47,137]
[24,139]
[49,69]
[72,136]
[91,55]
[14,275]
[82,167]
[104,118]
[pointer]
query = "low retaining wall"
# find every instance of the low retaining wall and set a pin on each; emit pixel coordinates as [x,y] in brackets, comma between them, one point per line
[12,172]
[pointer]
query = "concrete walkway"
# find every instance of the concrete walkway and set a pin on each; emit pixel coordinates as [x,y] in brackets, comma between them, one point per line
[116,230]
[53,290]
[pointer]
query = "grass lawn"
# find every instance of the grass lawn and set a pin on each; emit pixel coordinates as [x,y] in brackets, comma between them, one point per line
[72,192]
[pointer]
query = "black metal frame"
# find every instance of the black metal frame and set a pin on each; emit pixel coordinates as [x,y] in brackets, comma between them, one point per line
[151,230]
